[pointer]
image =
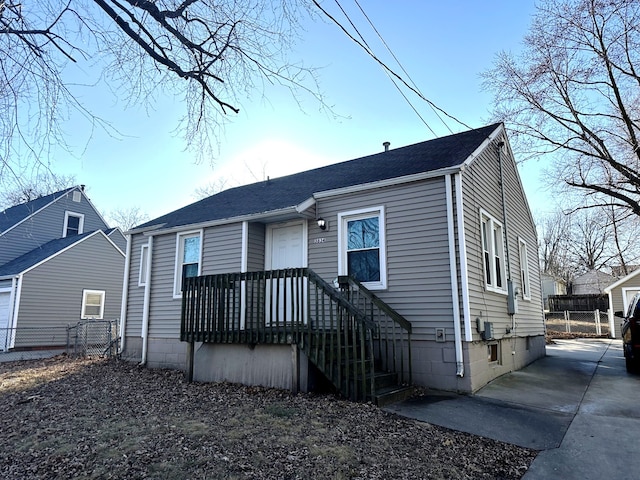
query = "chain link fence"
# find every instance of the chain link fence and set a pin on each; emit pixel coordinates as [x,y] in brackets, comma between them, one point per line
[30,343]
[93,338]
[591,323]
[85,338]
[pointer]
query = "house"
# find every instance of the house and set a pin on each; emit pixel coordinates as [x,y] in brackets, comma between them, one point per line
[551,285]
[592,282]
[59,263]
[620,294]
[419,261]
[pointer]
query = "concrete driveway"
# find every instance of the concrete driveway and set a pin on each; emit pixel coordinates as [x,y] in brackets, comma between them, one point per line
[577,405]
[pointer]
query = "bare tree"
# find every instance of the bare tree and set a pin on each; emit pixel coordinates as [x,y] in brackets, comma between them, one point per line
[209,54]
[554,239]
[574,93]
[16,191]
[127,218]
[211,188]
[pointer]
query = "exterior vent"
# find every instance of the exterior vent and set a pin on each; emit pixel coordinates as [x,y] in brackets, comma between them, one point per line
[77,196]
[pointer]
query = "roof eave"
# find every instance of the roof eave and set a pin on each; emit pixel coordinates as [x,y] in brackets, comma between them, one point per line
[297,210]
[441,172]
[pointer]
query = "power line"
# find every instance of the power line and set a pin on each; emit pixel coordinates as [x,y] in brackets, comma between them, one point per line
[362,44]
[398,62]
[370,52]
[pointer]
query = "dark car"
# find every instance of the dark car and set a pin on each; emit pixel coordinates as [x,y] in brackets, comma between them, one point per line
[631,334]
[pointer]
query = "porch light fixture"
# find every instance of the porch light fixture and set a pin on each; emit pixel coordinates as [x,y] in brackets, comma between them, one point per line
[322,223]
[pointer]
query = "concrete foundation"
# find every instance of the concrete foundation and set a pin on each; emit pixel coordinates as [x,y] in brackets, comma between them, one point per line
[286,367]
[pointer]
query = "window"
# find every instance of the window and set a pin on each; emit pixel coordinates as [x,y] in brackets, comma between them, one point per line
[188,251]
[362,247]
[524,269]
[92,304]
[492,353]
[493,253]
[73,224]
[144,260]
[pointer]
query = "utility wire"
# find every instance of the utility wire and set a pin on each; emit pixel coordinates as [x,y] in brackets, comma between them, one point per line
[384,66]
[370,52]
[398,61]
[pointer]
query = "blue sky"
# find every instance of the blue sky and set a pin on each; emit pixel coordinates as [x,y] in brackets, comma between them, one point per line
[443,45]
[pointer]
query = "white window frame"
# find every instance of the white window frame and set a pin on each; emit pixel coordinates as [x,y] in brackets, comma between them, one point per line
[493,227]
[523,253]
[343,219]
[177,280]
[144,264]
[68,214]
[85,294]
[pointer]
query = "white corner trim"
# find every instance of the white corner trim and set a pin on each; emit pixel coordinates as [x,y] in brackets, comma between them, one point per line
[453,271]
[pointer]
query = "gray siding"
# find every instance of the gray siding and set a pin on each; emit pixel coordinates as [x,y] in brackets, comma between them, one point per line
[117,237]
[221,253]
[481,190]
[135,297]
[418,278]
[47,225]
[256,250]
[52,292]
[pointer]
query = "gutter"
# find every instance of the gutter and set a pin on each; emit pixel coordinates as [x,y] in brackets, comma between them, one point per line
[145,309]
[125,294]
[454,279]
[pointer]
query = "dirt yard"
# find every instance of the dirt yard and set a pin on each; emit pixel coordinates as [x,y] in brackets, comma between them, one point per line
[62,418]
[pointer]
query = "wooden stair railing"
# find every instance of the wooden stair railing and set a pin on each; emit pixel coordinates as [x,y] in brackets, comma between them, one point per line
[349,334]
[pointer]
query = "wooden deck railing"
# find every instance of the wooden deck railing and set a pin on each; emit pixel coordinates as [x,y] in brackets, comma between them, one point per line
[293,306]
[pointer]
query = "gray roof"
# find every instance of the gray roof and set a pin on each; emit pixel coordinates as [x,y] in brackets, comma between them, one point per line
[14,215]
[37,255]
[292,190]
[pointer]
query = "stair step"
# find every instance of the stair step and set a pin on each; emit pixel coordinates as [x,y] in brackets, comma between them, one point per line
[389,395]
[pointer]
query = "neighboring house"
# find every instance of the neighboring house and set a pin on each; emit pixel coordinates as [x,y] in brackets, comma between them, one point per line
[59,263]
[251,285]
[592,282]
[551,286]
[620,294]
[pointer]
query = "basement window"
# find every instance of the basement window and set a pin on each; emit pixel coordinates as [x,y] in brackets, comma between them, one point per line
[492,351]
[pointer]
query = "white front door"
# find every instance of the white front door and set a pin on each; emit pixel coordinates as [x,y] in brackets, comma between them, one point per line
[286,248]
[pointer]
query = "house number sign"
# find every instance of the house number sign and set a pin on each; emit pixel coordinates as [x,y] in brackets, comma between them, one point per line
[319,240]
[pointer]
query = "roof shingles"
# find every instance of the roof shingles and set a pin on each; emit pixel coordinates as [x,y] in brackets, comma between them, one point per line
[280,193]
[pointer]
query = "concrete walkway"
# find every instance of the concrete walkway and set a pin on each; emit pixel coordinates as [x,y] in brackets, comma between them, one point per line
[577,405]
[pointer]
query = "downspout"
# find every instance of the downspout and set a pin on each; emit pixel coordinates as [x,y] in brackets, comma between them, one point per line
[244,262]
[462,254]
[16,309]
[145,309]
[457,333]
[125,294]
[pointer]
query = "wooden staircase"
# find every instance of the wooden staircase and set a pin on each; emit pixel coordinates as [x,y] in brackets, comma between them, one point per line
[358,342]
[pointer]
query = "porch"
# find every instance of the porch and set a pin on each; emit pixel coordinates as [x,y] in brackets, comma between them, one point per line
[358,342]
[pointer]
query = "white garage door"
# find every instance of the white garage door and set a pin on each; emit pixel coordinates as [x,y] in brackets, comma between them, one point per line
[4,318]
